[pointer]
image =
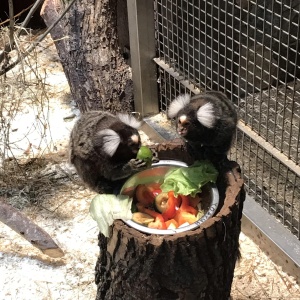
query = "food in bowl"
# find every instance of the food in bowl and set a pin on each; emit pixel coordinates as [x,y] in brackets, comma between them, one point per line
[161,200]
[163,209]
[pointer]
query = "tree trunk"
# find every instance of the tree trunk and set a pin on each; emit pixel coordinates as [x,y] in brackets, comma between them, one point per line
[89,48]
[197,264]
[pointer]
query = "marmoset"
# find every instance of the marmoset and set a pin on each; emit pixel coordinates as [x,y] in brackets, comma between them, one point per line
[103,148]
[207,122]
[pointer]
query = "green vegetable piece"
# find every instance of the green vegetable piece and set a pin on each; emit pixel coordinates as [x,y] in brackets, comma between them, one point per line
[105,208]
[145,154]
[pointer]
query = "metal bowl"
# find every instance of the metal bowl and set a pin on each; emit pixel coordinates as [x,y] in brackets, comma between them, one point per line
[156,174]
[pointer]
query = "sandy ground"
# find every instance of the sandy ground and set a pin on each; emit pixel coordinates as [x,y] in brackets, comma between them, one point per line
[62,210]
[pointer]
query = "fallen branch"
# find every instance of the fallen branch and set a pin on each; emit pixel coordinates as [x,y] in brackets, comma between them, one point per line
[29,230]
[29,16]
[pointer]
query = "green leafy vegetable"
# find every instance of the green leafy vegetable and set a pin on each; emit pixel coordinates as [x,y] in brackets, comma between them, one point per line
[106,208]
[189,180]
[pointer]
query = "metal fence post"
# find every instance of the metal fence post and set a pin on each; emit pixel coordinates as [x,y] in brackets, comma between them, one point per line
[142,52]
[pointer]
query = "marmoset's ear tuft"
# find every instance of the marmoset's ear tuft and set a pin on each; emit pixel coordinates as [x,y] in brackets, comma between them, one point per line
[129,120]
[110,139]
[177,104]
[206,115]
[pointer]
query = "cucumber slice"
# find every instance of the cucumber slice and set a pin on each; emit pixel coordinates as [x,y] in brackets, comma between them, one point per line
[161,202]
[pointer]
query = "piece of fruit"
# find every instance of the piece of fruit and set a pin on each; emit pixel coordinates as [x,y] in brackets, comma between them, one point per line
[142,218]
[159,222]
[145,154]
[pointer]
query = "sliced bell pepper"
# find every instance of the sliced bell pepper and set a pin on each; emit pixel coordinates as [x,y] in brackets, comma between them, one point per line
[146,193]
[171,224]
[177,201]
[182,217]
[170,212]
[185,206]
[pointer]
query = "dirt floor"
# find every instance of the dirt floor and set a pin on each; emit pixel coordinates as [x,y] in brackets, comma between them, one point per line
[46,189]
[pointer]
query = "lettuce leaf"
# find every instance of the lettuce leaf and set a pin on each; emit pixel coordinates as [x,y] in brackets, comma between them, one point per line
[105,208]
[190,180]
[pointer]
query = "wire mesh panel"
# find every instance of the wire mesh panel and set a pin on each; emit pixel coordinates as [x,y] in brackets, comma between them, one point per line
[269,181]
[190,40]
[250,51]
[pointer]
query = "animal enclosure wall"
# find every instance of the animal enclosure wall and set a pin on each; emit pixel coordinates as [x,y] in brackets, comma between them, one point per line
[250,51]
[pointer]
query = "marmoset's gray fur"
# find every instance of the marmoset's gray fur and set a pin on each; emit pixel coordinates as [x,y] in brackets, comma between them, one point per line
[207,122]
[103,149]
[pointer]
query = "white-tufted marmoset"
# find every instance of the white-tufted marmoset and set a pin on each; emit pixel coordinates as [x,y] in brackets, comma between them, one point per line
[103,148]
[207,122]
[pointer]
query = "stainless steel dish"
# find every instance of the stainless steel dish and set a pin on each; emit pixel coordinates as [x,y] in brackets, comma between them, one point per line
[156,174]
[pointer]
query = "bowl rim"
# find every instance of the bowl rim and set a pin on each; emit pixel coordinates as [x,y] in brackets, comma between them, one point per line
[212,208]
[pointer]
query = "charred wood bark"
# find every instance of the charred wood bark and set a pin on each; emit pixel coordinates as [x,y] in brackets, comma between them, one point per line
[197,264]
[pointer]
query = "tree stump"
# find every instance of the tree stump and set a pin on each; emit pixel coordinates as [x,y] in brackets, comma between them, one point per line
[197,264]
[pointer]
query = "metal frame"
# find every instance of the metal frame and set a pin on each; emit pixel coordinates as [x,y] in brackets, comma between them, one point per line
[142,51]
[279,244]
[235,47]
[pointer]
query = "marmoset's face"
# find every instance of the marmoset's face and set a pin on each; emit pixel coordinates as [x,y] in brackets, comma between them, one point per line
[129,146]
